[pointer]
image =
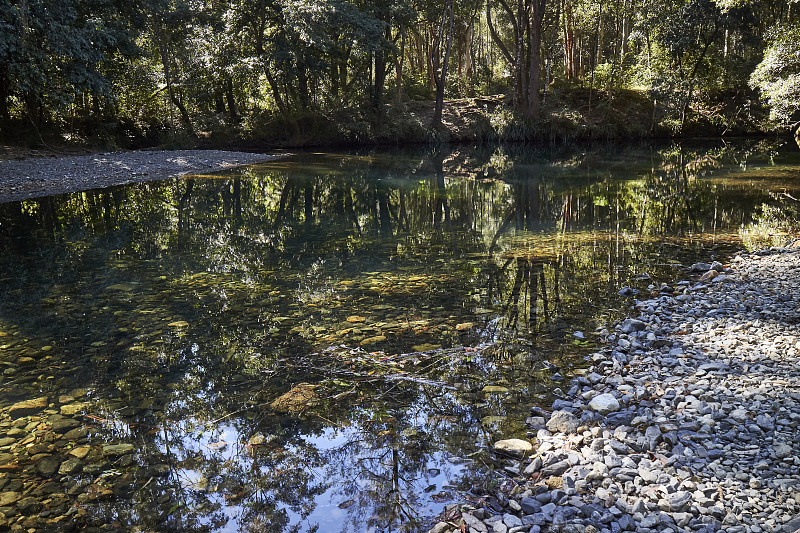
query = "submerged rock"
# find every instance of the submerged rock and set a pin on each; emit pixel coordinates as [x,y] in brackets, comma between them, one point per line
[515,447]
[9,498]
[112,450]
[27,407]
[297,400]
[47,466]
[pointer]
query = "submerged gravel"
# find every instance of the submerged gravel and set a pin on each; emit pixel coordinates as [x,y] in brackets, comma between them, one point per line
[35,177]
[687,420]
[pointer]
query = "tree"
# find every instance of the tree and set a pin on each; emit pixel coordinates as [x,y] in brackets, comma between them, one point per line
[777,77]
[440,64]
[52,52]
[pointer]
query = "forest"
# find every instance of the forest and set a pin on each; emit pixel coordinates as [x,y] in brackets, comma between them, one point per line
[135,73]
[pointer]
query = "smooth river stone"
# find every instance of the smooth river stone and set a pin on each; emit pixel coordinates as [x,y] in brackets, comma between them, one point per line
[117,449]
[27,407]
[80,452]
[73,409]
[8,498]
[64,425]
[47,466]
[515,447]
[604,403]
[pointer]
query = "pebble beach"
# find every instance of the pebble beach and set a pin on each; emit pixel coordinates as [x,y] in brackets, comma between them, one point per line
[686,421]
[44,176]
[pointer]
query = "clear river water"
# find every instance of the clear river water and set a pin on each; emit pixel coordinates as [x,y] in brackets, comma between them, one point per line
[333,341]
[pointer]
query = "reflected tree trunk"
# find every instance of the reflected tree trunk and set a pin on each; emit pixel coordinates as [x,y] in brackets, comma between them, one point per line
[503,228]
[383,209]
[183,222]
[308,203]
[348,205]
[286,203]
[441,207]
[402,221]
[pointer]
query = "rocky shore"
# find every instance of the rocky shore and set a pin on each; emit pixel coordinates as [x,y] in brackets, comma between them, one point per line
[30,178]
[686,421]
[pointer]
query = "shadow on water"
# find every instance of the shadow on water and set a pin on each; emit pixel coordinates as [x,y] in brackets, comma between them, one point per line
[324,342]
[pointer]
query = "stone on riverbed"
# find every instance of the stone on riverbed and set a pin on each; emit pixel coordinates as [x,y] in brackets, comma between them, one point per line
[47,466]
[75,408]
[9,498]
[783,450]
[514,447]
[631,325]
[64,425]
[27,407]
[563,422]
[473,523]
[80,452]
[604,403]
[69,467]
[112,450]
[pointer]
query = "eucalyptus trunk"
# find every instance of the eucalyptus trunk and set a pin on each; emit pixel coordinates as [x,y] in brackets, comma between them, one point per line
[440,74]
[534,70]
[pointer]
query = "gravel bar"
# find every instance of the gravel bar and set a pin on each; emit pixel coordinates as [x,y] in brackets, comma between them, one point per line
[687,420]
[35,177]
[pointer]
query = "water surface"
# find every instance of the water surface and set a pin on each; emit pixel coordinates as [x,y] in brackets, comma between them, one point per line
[334,341]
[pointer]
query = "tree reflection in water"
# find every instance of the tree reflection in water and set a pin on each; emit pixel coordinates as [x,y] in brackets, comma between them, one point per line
[396,286]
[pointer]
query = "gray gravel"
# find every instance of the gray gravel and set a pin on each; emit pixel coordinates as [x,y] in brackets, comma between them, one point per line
[31,178]
[686,422]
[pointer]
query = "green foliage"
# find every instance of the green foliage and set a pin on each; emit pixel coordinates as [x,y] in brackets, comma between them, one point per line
[304,70]
[51,51]
[778,75]
[772,226]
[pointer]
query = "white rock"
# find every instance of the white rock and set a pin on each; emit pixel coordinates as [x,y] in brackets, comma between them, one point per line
[604,403]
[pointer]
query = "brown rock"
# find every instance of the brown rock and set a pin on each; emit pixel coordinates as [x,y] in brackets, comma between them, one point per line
[27,407]
[372,340]
[297,400]
[8,498]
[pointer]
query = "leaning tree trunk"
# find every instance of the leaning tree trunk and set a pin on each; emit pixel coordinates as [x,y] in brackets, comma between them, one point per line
[185,120]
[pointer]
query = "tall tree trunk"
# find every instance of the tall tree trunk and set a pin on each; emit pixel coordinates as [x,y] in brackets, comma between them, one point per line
[596,53]
[440,73]
[380,80]
[219,100]
[165,62]
[519,57]
[279,102]
[4,93]
[690,90]
[232,111]
[569,40]
[398,68]
[514,60]
[534,70]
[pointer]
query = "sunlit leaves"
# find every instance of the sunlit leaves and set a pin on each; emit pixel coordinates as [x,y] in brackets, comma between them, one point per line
[778,75]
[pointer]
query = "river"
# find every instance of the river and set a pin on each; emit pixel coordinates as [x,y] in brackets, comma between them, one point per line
[333,341]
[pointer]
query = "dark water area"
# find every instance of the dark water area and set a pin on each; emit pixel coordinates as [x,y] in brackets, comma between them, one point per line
[333,342]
